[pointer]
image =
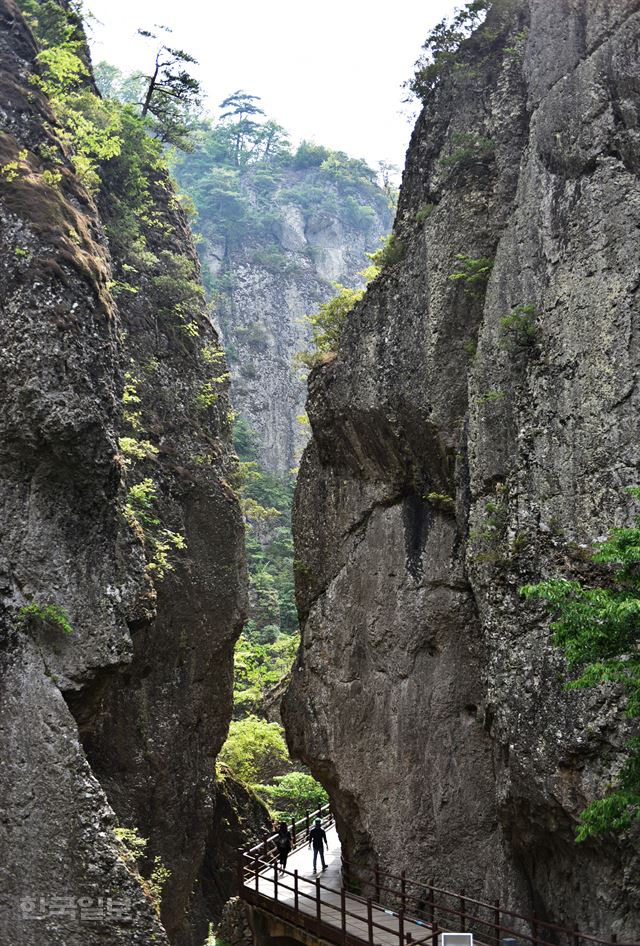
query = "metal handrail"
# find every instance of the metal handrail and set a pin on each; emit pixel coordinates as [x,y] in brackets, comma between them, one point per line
[324,813]
[494,907]
[279,883]
[256,861]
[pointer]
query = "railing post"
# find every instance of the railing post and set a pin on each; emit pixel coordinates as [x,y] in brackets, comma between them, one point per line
[614,938]
[256,867]
[295,891]
[403,889]
[434,938]
[275,881]
[376,892]
[576,935]
[401,928]
[463,912]
[343,914]
[318,904]
[496,920]
[306,815]
[266,846]
[534,928]
[370,920]
[432,912]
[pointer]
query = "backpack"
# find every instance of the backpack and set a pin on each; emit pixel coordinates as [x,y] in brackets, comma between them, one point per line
[282,842]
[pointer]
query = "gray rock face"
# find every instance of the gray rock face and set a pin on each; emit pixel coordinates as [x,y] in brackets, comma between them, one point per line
[127,713]
[451,462]
[261,315]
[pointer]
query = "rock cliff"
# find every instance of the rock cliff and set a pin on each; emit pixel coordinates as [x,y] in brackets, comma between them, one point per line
[314,231]
[456,455]
[122,574]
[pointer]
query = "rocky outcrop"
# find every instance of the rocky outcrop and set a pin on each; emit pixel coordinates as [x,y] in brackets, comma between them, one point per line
[123,707]
[455,457]
[240,819]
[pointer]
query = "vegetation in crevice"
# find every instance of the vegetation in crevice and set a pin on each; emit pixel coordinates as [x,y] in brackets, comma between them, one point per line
[47,615]
[596,624]
[472,274]
[518,329]
[151,874]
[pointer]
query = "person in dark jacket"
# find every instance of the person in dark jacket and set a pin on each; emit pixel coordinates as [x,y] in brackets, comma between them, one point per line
[317,837]
[283,845]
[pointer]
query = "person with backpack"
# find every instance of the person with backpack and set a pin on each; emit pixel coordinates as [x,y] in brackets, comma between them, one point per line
[283,845]
[318,837]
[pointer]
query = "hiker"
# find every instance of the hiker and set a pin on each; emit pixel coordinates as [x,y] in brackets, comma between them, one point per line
[317,837]
[283,845]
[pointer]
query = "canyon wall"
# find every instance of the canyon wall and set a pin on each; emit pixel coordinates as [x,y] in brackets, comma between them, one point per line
[456,456]
[122,574]
[314,231]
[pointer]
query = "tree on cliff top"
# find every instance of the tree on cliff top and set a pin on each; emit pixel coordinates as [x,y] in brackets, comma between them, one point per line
[599,630]
[171,93]
[441,47]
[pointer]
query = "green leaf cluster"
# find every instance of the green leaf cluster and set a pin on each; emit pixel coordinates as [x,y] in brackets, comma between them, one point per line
[468,150]
[442,47]
[292,795]
[519,330]
[598,629]
[472,273]
[266,499]
[255,750]
[140,510]
[51,615]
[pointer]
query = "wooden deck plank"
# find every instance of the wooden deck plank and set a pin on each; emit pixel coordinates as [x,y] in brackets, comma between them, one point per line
[331,884]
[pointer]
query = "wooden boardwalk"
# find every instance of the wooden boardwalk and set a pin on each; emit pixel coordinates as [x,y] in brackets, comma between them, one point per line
[319,904]
[388,928]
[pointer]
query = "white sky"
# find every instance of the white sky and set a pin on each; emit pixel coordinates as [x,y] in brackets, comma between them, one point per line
[329,70]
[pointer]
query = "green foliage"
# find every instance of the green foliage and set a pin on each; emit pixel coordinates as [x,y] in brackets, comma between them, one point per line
[468,150]
[262,659]
[134,845]
[519,328]
[242,175]
[51,615]
[473,274]
[391,252]
[424,212]
[519,43]
[292,795]
[171,94]
[442,47]
[598,628]
[266,499]
[488,542]
[255,750]
[90,126]
[327,325]
[54,23]
[140,512]
[489,397]
[133,849]
[12,169]
[309,155]
[442,501]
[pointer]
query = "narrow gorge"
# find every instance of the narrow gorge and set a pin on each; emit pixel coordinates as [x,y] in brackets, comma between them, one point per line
[476,432]
[191,309]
